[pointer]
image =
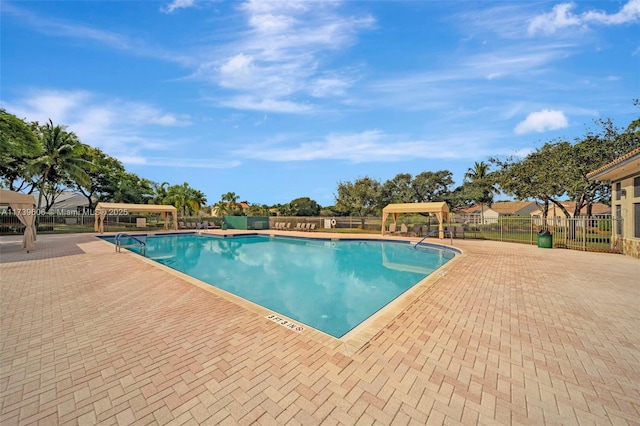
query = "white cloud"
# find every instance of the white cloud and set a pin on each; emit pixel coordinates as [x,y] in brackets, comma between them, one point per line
[266,105]
[542,121]
[281,54]
[62,28]
[562,16]
[630,12]
[177,4]
[189,163]
[367,146]
[559,17]
[115,126]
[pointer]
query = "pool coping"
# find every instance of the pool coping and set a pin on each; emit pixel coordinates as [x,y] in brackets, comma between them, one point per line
[355,339]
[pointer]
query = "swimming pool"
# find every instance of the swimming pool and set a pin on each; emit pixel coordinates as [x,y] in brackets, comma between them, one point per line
[330,285]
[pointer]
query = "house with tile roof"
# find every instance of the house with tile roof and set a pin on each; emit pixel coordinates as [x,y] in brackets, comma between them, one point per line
[490,215]
[555,215]
[624,175]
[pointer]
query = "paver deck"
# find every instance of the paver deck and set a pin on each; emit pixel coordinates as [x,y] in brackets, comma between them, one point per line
[513,334]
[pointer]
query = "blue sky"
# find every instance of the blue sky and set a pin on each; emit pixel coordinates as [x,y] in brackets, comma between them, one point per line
[280,100]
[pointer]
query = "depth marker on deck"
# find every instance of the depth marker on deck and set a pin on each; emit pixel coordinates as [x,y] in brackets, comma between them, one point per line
[285,323]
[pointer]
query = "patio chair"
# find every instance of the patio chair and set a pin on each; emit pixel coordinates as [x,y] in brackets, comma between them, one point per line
[298,227]
[312,227]
[403,229]
[392,228]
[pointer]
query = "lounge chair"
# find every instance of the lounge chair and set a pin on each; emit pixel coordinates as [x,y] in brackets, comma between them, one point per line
[304,227]
[288,227]
[403,229]
[298,227]
[392,228]
[312,227]
[181,225]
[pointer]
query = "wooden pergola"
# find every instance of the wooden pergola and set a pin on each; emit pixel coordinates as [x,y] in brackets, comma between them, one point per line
[440,209]
[113,209]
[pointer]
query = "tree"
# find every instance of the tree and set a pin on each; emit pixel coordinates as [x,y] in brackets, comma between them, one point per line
[481,185]
[101,170]
[127,187]
[60,161]
[258,210]
[18,148]
[589,154]
[359,198]
[184,198]
[159,192]
[304,206]
[431,186]
[540,175]
[397,190]
[229,205]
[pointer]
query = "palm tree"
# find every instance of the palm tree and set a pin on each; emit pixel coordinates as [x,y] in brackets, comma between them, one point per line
[231,200]
[478,176]
[61,159]
[159,192]
[184,198]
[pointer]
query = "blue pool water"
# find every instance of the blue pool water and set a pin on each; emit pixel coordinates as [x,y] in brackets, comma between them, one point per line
[330,285]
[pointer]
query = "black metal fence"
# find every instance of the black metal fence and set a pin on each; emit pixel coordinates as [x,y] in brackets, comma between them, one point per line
[589,234]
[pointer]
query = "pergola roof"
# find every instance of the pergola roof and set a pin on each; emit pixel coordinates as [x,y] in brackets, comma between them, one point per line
[136,208]
[441,210]
[105,209]
[437,207]
[10,197]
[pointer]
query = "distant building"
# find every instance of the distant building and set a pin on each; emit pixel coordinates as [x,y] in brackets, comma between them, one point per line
[555,215]
[624,174]
[490,215]
[68,203]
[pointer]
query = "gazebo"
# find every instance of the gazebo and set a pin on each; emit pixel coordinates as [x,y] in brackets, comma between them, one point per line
[105,209]
[23,206]
[440,209]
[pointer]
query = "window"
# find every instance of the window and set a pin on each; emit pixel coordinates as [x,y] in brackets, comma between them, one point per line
[636,187]
[636,220]
[618,190]
[618,220]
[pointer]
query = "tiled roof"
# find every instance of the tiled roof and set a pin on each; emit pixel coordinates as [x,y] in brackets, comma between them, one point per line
[615,162]
[505,207]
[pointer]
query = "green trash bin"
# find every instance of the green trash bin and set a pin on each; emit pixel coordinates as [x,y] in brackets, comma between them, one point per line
[545,239]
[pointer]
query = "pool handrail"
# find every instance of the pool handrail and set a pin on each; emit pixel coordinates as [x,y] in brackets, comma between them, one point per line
[444,231]
[139,242]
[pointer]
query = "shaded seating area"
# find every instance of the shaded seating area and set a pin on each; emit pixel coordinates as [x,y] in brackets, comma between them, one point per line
[169,214]
[439,209]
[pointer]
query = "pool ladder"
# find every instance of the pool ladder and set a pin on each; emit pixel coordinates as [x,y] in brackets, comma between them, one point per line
[435,231]
[138,243]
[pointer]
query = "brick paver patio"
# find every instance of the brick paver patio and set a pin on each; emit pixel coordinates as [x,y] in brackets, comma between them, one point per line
[512,334]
